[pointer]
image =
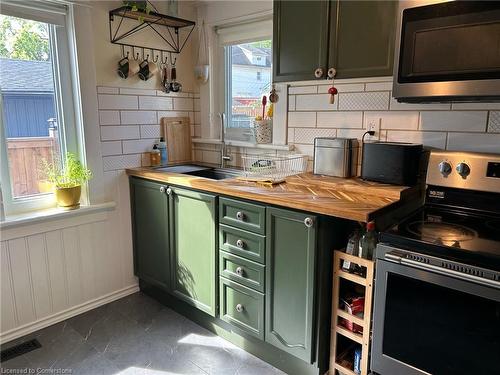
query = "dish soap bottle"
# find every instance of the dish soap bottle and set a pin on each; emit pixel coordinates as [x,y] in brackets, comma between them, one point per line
[368,242]
[162,146]
[155,156]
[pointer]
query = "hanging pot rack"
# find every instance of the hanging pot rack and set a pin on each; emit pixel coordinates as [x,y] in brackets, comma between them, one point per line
[166,27]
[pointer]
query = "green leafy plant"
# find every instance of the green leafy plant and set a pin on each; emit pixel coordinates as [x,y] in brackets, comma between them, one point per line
[139,6]
[70,174]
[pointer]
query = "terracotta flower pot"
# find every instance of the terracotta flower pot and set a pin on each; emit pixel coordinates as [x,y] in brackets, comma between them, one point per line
[68,198]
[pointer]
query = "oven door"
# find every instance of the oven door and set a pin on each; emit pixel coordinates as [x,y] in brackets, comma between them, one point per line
[448,50]
[430,323]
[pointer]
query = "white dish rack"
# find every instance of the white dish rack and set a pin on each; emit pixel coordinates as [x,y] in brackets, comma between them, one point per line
[273,168]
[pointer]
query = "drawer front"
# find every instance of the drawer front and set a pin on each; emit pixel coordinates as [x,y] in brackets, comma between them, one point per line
[242,215]
[245,244]
[243,271]
[242,307]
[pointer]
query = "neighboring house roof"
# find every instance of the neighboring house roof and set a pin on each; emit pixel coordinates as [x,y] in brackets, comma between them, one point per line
[240,58]
[26,76]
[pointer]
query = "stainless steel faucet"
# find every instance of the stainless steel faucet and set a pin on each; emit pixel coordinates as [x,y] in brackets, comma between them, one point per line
[223,149]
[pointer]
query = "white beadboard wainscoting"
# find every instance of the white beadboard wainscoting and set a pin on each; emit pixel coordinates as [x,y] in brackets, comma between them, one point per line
[61,267]
[360,102]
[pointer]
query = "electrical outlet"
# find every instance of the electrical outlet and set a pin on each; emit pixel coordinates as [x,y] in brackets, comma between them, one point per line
[373,124]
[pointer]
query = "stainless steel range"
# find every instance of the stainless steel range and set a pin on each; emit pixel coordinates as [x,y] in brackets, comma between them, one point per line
[437,287]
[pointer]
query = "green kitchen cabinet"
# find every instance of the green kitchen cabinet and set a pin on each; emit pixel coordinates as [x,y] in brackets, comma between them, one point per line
[300,39]
[194,248]
[364,32]
[150,226]
[290,278]
[354,37]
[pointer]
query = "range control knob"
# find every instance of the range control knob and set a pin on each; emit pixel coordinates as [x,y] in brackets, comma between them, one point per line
[463,170]
[445,168]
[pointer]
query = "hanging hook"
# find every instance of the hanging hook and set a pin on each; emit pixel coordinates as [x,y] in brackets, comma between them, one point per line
[172,60]
[123,50]
[155,60]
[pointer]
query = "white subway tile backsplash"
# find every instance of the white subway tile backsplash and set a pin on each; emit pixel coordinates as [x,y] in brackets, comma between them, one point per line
[480,106]
[395,105]
[393,120]
[118,102]
[307,135]
[114,133]
[303,90]
[109,117]
[315,102]
[430,139]
[342,87]
[150,131]
[212,157]
[486,142]
[183,104]
[350,133]
[302,119]
[474,121]
[378,86]
[155,103]
[197,118]
[137,146]
[291,102]
[494,122]
[107,90]
[305,149]
[113,163]
[162,114]
[138,117]
[364,101]
[196,103]
[126,91]
[175,94]
[340,119]
[111,148]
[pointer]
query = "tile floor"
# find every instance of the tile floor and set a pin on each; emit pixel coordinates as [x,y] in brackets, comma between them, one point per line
[134,335]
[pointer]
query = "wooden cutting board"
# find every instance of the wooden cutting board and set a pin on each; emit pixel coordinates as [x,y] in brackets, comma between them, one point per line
[177,132]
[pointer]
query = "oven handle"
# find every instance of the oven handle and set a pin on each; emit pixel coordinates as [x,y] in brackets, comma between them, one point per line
[397,258]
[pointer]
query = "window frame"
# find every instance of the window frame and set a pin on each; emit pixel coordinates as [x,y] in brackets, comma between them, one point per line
[66,102]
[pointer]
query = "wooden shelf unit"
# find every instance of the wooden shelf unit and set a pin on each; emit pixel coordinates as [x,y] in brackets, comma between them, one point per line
[365,322]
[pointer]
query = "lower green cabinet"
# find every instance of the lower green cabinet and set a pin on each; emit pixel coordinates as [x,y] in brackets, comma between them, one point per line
[242,307]
[290,277]
[150,226]
[193,248]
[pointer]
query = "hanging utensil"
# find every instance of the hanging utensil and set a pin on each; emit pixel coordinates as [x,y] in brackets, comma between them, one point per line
[273,96]
[174,85]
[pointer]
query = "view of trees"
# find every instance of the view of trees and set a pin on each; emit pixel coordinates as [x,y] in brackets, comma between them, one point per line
[23,39]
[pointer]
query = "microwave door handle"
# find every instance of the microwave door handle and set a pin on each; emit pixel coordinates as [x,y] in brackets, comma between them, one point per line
[395,257]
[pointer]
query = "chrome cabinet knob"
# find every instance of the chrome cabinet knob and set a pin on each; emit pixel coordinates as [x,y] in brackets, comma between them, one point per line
[239,271]
[308,222]
[239,307]
[240,244]
[240,215]
[332,72]
[463,170]
[169,191]
[162,189]
[318,73]
[445,168]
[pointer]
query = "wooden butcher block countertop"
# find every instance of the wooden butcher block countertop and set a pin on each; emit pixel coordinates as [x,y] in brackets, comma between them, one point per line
[352,199]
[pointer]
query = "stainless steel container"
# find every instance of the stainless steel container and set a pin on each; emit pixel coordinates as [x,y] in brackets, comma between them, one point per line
[336,157]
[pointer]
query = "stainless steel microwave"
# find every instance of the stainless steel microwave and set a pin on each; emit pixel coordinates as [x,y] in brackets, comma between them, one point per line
[447,51]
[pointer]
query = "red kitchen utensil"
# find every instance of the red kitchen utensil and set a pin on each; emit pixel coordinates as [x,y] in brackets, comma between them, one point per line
[332,91]
[264,102]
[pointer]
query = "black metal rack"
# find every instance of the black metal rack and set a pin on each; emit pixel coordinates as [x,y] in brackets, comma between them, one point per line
[166,27]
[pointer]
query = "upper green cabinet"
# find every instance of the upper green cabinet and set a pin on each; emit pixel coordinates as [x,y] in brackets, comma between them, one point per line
[300,39]
[149,203]
[290,278]
[354,37]
[193,243]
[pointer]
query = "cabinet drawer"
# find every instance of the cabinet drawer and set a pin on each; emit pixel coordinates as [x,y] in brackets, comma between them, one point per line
[242,307]
[242,215]
[243,271]
[248,245]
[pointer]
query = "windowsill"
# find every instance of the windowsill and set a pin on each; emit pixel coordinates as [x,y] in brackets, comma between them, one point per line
[268,146]
[50,214]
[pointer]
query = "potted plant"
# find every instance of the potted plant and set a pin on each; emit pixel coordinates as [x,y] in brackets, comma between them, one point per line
[67,180]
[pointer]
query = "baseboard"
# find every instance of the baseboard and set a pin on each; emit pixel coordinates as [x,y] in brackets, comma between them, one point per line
[65,314]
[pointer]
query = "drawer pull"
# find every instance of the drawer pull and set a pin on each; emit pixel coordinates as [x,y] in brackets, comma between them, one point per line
[240,244]
[308,222]
[239,307]
[240,215]
[169,191]
[162,189]
[239,271]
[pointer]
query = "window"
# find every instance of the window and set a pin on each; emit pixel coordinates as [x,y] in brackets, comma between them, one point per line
[37,119]
[248,78]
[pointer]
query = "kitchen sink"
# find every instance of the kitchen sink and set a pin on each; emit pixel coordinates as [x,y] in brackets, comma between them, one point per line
[200,171]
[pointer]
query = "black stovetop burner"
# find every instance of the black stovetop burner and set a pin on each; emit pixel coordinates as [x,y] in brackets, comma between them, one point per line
[449,233]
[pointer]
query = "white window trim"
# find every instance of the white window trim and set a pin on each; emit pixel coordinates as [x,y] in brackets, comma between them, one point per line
[64,66]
